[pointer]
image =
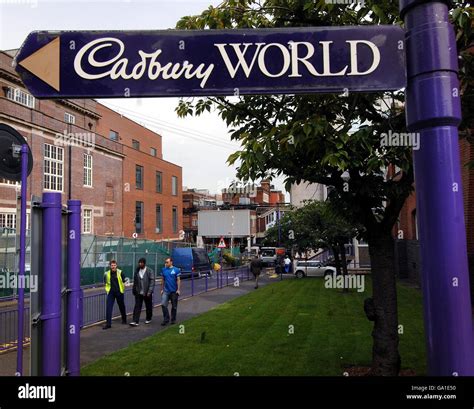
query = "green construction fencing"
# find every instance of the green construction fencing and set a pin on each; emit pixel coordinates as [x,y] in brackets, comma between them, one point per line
[96,253]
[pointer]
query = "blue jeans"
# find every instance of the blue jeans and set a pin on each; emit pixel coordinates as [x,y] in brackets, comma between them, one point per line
[165,298]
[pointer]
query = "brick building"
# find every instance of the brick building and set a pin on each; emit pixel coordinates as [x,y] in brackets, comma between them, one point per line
[152,186]
[98,168]
[45,124]
[406,230]
[195,200]
[265,194]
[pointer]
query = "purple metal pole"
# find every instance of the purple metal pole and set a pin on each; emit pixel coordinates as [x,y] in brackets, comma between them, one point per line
[21,267]
[433,109]
[220,269]
[51,285]
[74,310]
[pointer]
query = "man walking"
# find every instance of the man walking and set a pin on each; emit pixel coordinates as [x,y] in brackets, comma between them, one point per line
[143,286]
[256,266]
[114,287]
[287,264]
[170,290]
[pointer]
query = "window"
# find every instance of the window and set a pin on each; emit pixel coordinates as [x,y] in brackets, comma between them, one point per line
[114,135]
[174,186]
[22,97]
[153,151]
[138,217]
[53,168]
[175,219]
[195,223]
[139,177]
[87,221]
[87,170]
[135,144]
[69,118]
[159,180]
[159,219]
[8,220]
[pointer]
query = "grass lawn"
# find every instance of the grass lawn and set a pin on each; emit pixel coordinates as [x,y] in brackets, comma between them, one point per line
[251,335]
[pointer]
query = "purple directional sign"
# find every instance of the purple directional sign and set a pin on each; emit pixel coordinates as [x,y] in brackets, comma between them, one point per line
[170,63]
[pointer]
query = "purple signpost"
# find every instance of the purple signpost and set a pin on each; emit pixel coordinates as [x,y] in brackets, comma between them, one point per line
[21,269]
[51,285]
[433,109]
[74,310]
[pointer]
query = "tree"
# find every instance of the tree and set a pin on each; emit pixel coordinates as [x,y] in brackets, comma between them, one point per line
[314,226]
[332,228]
[293,234]
[312,138]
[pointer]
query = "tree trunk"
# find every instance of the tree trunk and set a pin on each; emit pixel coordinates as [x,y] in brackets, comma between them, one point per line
[382,307]
[342,249]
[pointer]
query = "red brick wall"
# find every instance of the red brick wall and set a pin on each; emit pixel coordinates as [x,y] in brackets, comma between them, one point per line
[467,155]
[129,130]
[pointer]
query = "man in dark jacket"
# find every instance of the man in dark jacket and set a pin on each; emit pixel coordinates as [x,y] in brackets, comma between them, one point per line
[143,286]
[256,266]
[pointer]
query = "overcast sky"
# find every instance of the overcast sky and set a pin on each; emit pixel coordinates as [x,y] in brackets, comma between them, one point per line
[200,145]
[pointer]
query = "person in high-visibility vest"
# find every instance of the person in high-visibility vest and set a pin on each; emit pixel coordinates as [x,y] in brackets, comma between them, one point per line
[115,289]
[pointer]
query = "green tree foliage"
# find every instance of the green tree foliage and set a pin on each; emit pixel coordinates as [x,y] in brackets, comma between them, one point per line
[320,138]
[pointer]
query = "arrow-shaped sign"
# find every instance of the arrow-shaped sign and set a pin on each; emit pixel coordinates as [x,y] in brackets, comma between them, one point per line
[45,63]
[93,64]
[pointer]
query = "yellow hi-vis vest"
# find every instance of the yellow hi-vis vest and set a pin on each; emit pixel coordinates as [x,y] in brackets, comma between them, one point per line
[119,278]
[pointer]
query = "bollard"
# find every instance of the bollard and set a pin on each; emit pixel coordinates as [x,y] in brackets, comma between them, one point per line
[51,285]
[74,310]
[21,267]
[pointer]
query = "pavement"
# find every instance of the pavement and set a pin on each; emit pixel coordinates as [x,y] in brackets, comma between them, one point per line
[95,342]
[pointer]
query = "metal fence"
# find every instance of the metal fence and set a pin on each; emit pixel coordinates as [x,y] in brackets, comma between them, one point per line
[94,302]
[96,252]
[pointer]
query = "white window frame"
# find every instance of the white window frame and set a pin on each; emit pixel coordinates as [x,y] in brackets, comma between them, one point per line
[69,118]
[4,220]
[48,162]
[89,219]
[88,163]
[21,97]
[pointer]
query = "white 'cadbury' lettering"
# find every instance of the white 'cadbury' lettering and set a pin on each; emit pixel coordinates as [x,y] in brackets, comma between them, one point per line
[291,58]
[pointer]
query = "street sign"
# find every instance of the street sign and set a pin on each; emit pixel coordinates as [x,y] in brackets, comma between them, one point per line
[221,244]
[171,63]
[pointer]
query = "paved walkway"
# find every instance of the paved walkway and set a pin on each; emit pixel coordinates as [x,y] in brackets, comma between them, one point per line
[95,342]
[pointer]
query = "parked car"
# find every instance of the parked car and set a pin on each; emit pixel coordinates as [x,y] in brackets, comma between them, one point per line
[310,268]
[192,261]
[269,255]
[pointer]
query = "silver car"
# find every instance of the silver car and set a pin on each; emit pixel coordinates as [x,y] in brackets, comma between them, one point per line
[310,268]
